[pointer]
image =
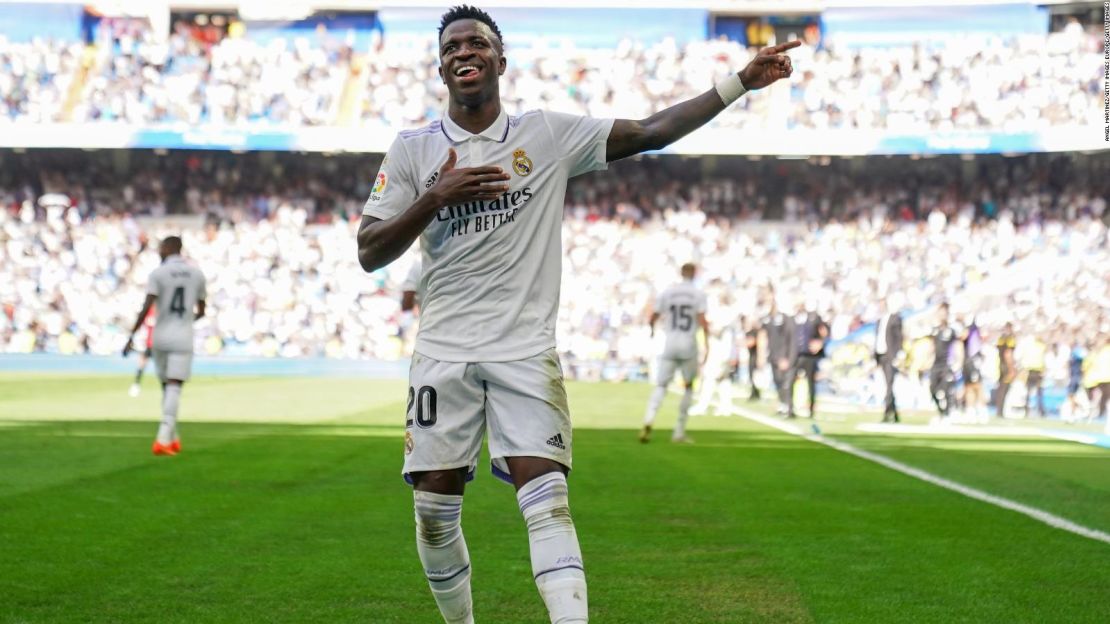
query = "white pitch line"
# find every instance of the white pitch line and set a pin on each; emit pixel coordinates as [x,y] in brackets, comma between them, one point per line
[1039,515]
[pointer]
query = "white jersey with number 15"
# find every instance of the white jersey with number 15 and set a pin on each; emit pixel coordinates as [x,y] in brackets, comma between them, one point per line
[678,308]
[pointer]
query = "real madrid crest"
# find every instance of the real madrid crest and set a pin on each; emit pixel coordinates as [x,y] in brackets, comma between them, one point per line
[522,165]
[409,443]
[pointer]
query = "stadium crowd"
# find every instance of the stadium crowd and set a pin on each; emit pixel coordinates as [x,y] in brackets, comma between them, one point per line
[284,280]
[1015,85]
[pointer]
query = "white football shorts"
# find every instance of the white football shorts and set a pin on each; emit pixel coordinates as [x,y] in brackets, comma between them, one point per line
[173,364]
[668,365]
[451,404]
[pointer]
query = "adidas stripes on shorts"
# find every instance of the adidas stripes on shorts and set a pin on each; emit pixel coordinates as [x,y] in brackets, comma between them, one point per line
[450,406]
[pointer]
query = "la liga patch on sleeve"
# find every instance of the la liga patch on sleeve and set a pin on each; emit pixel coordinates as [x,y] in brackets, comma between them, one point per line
[379,186]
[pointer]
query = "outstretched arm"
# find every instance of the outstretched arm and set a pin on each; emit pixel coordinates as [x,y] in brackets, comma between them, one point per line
[629,137]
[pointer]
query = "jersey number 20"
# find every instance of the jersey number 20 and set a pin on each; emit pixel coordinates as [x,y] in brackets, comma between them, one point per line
[425,401]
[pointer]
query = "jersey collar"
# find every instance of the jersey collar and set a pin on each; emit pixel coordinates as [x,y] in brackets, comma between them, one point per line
[497,132]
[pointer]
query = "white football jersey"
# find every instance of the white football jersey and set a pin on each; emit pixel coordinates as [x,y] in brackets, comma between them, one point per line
[412,280]
[178,286]
[491,270]
[678,308]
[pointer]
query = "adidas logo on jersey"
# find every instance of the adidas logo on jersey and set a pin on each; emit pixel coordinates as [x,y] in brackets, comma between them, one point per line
[557,441]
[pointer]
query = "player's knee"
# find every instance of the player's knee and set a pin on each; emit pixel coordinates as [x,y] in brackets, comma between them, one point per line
[545,504]
[438,518]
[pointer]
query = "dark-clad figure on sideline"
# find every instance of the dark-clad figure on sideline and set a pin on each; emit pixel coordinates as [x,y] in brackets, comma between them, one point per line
[751,341]
[941,376]
[781,351]
[888,343]
[812,334]
[1007,368]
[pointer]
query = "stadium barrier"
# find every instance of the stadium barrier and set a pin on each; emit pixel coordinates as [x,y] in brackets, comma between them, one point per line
[708,141]
[213,366]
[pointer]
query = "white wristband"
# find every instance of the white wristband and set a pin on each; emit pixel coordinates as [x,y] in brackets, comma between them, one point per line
[730,89]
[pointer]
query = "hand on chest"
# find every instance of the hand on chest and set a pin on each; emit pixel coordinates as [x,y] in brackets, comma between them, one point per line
[476,218]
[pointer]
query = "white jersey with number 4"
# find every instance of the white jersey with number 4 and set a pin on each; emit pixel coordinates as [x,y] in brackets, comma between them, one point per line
[678,308]
[491,269]
[178,287]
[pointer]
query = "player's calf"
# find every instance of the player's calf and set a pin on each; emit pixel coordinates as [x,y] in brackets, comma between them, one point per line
[442,550]
[556,557]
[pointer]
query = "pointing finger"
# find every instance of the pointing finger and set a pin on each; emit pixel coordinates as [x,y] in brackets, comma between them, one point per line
[767,59]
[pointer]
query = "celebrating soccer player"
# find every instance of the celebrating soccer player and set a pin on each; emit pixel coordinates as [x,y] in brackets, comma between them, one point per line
[484,192]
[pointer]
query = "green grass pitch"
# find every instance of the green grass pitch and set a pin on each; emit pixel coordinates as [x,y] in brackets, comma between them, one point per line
[287,506]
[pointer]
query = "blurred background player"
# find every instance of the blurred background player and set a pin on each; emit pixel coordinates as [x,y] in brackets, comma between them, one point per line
[179,291]
[144,356]
[781,352]
[1032,354]
[1098,377]
[681,309]
[1007,368]
[719,371]
[974,405]
[888,344]
[410,304]
[812,334]
[941,376]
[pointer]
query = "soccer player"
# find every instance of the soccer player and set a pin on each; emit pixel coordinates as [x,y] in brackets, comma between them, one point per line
[148,345]
[484,192]
[410,298]
[179,290]
[682,309]
[1032,352]
[719,369]
[1007,368]
[974,406]
[410,303]
[941,377]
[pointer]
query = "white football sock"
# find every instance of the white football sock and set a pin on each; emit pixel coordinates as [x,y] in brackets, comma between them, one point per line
[724,392]
[653,404]
[442,550]
[171,398]
[683,413]
[556,557]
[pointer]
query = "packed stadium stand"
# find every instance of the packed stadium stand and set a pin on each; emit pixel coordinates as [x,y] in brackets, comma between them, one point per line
[132,74]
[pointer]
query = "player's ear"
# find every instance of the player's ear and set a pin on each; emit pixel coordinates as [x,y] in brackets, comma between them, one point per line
[501,63]
[439,70]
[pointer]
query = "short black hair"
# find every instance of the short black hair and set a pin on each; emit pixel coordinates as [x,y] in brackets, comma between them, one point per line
[464,12]
[172,243]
